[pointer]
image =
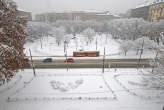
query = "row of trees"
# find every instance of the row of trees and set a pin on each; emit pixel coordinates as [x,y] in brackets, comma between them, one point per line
[37,30]
[126,29]
[12,37]
[136,45]
[132,29]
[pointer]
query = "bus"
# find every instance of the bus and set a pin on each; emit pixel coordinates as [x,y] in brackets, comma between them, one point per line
[86,53]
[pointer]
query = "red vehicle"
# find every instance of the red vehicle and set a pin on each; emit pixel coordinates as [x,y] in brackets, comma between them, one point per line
[69,60]
[26,60]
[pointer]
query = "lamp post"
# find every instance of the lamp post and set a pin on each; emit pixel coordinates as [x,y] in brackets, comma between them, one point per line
[32,63]
[141,53]
[41,43]
[96,44]
[103,61]
[65,45]
[66,59]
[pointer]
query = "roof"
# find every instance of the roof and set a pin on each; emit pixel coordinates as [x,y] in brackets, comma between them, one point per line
[108,14]
[150,2]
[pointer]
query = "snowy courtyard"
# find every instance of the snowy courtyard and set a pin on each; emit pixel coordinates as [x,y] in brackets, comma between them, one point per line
[47,47]
[88,89]
[51,48]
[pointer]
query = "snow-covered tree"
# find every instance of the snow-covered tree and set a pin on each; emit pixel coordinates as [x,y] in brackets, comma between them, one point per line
[36,30]
[130,29]
[89,34]
[67,38]
[126,46]
[71,27]
[156,77]
[148,44]
[58,33]
[12,37]
[155,29]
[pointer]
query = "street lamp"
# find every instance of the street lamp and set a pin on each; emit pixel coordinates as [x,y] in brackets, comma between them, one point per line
[142,48]
[41,43]
[103,61]
[96,43]
[65,42]
[66,59]
[32,63]
[75,38]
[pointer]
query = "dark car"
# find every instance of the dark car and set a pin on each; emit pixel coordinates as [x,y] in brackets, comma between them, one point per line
[69,60]
[47,60]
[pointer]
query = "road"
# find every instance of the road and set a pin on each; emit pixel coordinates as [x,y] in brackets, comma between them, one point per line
[94,63]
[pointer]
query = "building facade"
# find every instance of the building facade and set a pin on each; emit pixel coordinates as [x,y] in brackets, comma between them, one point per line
[26,15]
[156,12]
[141,12]
[76,15]
[151,12]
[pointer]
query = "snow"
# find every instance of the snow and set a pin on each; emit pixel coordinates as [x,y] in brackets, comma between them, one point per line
[51,49]
[135,86]
[47,90]
[96,91]
[109,14]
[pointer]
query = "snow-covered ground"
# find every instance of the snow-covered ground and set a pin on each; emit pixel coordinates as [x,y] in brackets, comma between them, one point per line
[80,89]
[50,47]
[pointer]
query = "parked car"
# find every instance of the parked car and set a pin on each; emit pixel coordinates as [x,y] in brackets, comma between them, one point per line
[47,60]
[69,60]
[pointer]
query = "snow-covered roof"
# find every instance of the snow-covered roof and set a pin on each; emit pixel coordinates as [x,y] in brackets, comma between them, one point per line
[108,13]
[94,11]
[97,12]
[150,2]
[20,9]
[80,11]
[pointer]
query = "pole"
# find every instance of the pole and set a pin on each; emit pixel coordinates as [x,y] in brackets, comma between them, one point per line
[66,60]
[32,63]
[41,43]
[96,44]
[64,46]
[141,53]
[76,43]
[103,61]
[155,62]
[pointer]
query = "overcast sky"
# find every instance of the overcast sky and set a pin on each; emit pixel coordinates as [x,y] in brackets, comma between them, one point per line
[114,6]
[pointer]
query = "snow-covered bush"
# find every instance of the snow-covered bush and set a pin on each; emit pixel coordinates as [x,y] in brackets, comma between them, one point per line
[64,87]
[12,37]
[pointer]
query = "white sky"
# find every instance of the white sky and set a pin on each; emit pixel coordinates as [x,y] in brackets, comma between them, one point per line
[115,6]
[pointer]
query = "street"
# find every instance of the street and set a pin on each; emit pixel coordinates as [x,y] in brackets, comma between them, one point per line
[94,63]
